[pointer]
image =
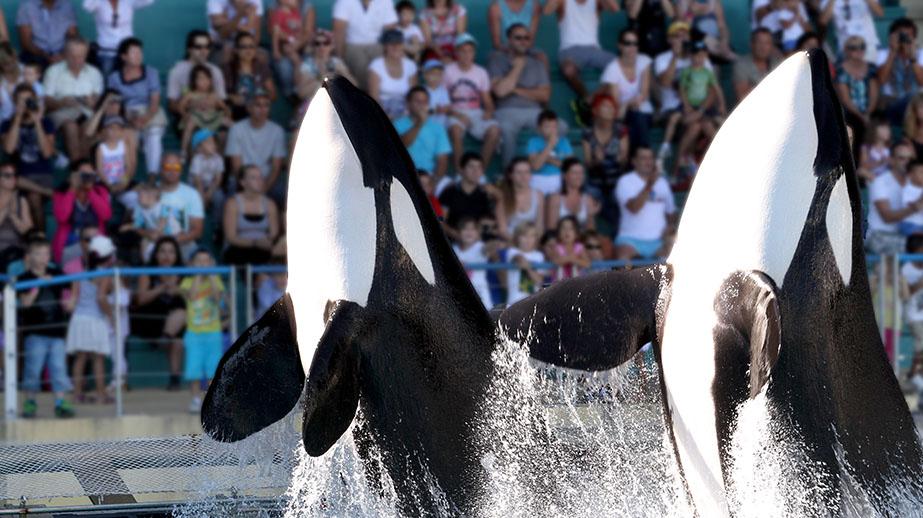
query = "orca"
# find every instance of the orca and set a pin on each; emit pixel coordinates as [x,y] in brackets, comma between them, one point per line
[379,318]
[764,295]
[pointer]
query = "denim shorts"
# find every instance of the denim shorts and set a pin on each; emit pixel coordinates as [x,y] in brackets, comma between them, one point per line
[40,351]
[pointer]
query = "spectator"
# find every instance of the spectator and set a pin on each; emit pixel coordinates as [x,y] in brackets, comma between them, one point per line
[109,104]
[205,295]
[568,253]
[79,263]
[271,287]
[649,18]
[808,41]
[11,72]
[546,152]
[357,27]
[519,203]
[470,249]
[139,86]
[439,102]
[502,15]
[259,141]
[597,247]
[913,123]
[392,75]
[522,282]
[857,88]
[228,18]
[115,160]
[707,18]
[71,90]
[749,70]
[853,18]
[472,109]
[426,182]
[426,139]
[88,332]
[251,221]
[406,23]
[202,108]
[573,199]
[647,210]
[442,21]
[41,315]
[81,202]
[291,28]
[793,23]
[43,26]
[911,192]
[181,204]
[628,79]
[198,43]
[900,69]
[668,67]
[114,24]
[521,84]
[886,208]
[147,220]
[247,76]
[28,139]
[160,311]
[876,152]
[465,198]
[912,293]
[206,171]
[15,217]
[703,102]
[578,24]
[605,147]
[4,34]
[311,70]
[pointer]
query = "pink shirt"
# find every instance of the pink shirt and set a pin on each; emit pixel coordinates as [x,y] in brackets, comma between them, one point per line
[465,87]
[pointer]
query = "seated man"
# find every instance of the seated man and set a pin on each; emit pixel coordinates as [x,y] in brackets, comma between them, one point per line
[466,198]
[887,206]
[426,139]
[472,105]
[259,141]
[71,90]
[181,207]
[44,25]
[749,70]
[647,208]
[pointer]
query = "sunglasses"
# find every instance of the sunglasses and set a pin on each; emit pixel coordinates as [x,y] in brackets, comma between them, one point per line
[202,46]
[521,37]
[322,43]
[860,46]
[172,167]
[629,43]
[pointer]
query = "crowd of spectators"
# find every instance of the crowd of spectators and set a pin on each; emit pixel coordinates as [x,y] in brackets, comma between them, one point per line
[513,180]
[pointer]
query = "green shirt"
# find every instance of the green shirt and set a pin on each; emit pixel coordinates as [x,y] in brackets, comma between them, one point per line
[695,82]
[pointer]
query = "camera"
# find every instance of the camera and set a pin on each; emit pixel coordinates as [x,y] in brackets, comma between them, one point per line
[87,177]
[31,105]
[903,38]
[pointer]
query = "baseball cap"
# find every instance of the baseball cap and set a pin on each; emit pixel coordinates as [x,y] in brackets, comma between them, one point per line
[200,136]
[677,26]
[465,38]
[391,36]
[102,246]
[431,64]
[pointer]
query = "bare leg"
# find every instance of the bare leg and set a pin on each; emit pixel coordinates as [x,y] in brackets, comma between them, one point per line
[457,135]
[172,327]
[80,361]
[71,133]
[491,141]
[572,75]
[99,373]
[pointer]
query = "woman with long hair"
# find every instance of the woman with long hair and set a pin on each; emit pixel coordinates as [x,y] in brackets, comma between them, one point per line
[519,202]
[246,75]
[857,88]
[573,201]
[15,217]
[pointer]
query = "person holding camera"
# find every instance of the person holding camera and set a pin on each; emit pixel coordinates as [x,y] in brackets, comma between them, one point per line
[28,139]
[82,202]
[899,71]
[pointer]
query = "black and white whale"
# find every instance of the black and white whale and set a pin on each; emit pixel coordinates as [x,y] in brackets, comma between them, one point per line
[765,294]
[379,314]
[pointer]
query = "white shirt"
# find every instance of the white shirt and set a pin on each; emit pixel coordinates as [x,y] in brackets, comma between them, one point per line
[580,24]
[909,194]
[628,89]
[411,32]
[227,8]
[669,96]
[914,307]
[364,25]
[475,254]
[650,222]
[514,276]
[59,82]
[887,188]
[108,36]
[179,206]
[858,23]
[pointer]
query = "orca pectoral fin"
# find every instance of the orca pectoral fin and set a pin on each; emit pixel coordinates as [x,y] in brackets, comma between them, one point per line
[258,380]
[332,389]
[593,322]
[748,335]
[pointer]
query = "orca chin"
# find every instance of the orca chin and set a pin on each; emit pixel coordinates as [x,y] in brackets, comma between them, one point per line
[764,294]
[379,315]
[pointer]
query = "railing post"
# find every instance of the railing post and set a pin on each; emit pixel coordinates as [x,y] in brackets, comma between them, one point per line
[898,320]
[232,282]
[10,349]
[249,292]
[119,353]
[882,303]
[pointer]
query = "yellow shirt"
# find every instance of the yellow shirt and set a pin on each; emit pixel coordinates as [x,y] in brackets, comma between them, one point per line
[203,304]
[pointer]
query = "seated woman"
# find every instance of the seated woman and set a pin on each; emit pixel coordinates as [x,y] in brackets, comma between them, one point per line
[312,68]
[251,221]
[246,74]
[15,217]
[605,150]
[392,75]
[572,201]
[519,203]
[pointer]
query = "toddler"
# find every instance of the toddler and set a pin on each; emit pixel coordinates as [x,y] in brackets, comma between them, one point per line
[206,171]
[568,253]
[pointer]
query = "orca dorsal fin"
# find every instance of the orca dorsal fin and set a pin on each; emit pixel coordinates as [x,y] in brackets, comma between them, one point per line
[593,322]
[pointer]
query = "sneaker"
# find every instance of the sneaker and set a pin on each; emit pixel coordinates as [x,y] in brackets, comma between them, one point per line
[64,409]
[195,406]
[29,408]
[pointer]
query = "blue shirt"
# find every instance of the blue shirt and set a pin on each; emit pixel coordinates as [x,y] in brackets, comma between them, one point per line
[431,141]
[561,151]
[49,27]
[137,93]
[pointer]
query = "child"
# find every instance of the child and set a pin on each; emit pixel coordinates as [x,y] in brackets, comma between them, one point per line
[204,296]
[471,249]
[413,36]
[702,100]
[793,19]
[206,171]
[568,253]
[32,76]
[911,192]
[116,160]
[89,330]
[876,154]
[526,280]
[41,313]
[271,287]
[200,106]
[148,218]
[439,102]
[546,151]
[426,181]
[912,293]
[287,30]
